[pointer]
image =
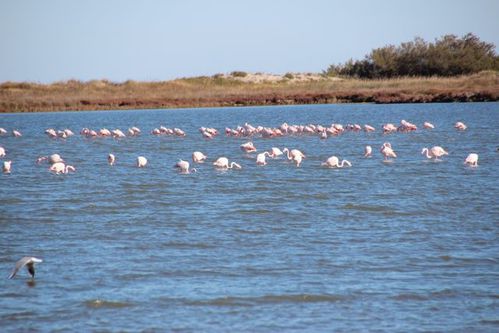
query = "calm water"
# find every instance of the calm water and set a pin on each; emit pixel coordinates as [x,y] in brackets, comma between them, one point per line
[405,246]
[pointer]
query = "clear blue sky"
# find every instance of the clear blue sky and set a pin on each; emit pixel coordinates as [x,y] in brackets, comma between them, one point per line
[47,40]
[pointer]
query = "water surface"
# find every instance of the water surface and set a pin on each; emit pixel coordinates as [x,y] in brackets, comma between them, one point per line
[405,246]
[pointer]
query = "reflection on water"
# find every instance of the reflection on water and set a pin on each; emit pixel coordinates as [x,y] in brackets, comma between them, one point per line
[407,245]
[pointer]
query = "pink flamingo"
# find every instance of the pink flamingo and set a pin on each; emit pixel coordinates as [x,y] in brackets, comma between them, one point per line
[387,151]
[68,132]
[183,167]
[207,135]
[435,152]
[54,158]
[472,160]
[368,151]
[428,125]
[51,133]
[260,158]
[292,153]
[141,161]
[134,131]
[105,132]
[16,133]
[179,132]
[460,126]
[248,147]
[117,133]
[2,151]
[334,162]
[389,128]
[275,152]
[60,167]
[3,131]
[223,163]
[198,157]
[295,155]
[7,166]
[369,128]
[111,159]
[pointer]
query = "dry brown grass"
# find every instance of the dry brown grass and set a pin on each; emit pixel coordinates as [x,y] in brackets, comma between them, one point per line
[227,91]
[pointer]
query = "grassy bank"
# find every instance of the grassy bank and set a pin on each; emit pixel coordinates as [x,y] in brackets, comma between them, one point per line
[228,90]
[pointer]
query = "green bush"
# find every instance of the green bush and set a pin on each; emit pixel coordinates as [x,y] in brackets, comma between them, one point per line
[239,74]
[289,76]
[447,56]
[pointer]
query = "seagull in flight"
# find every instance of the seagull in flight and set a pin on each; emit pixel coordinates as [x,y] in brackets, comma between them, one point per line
[29,262]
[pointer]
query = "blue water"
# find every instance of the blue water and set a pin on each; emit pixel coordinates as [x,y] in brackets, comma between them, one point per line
[410,245]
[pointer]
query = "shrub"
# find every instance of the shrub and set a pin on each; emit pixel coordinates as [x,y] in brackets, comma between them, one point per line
[448,56]
[239,74]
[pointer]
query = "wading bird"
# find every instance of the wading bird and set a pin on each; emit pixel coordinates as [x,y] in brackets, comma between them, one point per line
[334,162]
[472,160]
[435,152]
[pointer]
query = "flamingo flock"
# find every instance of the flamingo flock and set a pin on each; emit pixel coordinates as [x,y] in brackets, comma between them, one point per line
[57,165]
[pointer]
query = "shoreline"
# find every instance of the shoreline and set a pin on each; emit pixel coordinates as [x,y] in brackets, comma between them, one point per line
[219,91]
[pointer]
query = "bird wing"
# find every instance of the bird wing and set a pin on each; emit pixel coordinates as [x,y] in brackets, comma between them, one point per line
[20,264]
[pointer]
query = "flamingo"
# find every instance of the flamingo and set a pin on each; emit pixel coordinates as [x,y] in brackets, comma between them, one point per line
[406,126]
[7,166]
[62,134]
[178,132]
[68,132]
[183,167]
[369,128]
[248,147]
[292,153]
[428,125]
[368,151]
[2,151]
[111,159]
[460,126]
[55,158]
[295,155]
[334,162]
[472,160]
[105,132]
[117,133]
[3,131]
[141,161]
[435,152]
[198,157]
[275,152]
[51,132]
[134,131]
[207,135]
[223,163]
[16,133]
[260,158]
[388,128]
[60,167]
[29,262]
[387,151]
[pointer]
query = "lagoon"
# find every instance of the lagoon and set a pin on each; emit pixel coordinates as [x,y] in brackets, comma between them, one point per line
[403,246]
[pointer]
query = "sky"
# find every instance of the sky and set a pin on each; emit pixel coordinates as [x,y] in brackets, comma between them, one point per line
[153,40]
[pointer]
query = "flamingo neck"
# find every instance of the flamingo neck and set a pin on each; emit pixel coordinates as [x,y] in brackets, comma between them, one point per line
[425,151]
[286,150]
[343,163]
